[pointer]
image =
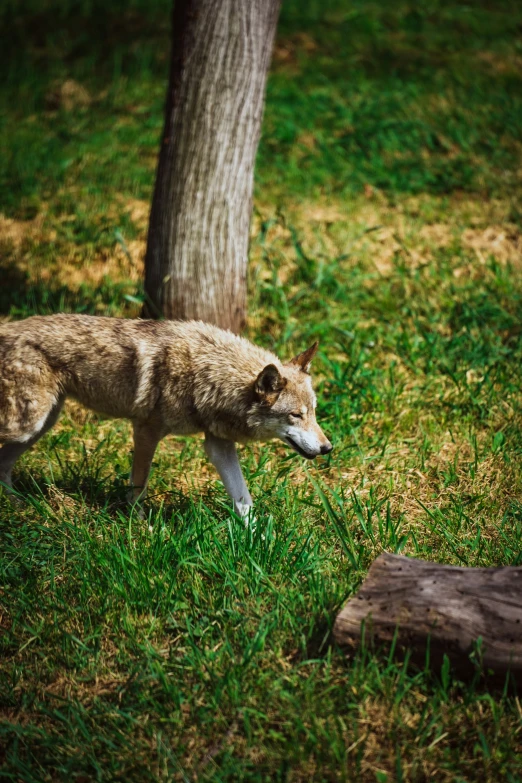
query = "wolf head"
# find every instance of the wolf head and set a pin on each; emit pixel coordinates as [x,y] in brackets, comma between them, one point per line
[284,406]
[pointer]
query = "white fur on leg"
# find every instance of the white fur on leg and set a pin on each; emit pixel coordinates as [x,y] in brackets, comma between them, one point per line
[223,455]
[246,512]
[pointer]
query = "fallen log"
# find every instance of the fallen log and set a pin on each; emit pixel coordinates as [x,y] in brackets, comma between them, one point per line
[440,609]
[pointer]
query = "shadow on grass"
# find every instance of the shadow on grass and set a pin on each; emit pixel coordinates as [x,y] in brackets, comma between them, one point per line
[14,290]
[21,296]
[36,29]
[104,494]
[402,40]
[321,638]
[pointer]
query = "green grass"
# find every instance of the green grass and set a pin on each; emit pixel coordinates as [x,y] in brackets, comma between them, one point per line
[387,226]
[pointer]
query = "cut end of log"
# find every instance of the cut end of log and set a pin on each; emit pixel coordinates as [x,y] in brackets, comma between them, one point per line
[472,615]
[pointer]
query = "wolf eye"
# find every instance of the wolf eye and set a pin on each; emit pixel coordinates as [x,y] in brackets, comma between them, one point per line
[297,415]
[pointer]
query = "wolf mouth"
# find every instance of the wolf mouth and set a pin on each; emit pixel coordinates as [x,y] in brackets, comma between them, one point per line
[297,448]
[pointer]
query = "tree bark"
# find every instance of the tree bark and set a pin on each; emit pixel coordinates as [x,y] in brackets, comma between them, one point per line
[417,604]
[196,259]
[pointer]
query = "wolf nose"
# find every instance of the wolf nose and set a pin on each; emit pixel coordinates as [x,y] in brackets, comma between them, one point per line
[326,447]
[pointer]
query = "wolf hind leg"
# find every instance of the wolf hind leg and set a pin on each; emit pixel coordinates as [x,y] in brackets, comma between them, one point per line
[11,451]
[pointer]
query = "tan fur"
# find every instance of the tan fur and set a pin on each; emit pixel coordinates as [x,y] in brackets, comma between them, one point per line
[166,376]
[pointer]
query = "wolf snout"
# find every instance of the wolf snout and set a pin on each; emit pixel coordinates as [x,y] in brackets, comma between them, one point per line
[326,447]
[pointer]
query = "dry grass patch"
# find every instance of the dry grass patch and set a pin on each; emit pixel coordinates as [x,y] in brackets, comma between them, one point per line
[374,232]
[368,231]
[17,232]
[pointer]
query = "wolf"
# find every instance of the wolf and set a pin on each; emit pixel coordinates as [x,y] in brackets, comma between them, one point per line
[167,377]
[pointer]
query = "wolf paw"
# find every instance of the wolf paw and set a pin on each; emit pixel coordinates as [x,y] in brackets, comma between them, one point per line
[6,489]
[137,510]
[246,513]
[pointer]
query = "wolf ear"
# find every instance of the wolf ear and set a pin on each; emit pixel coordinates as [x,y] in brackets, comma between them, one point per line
[304,360]
[269,384]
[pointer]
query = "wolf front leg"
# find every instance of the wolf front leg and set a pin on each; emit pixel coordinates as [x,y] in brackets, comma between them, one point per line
[223,455]
[147,435]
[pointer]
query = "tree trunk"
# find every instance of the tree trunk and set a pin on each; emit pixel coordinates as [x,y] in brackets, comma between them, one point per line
[196,260]
[411,601]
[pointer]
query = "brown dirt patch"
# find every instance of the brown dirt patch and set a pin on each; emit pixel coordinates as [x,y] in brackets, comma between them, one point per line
[286,50]
[367,230]
[15,232]
[503,242]
[138,211]
[68,95]
[501,64]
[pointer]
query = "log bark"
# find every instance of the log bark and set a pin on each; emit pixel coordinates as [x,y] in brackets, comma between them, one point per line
[196,258]
[447,608]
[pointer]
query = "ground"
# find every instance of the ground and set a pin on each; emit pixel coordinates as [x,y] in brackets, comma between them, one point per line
[387,225]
